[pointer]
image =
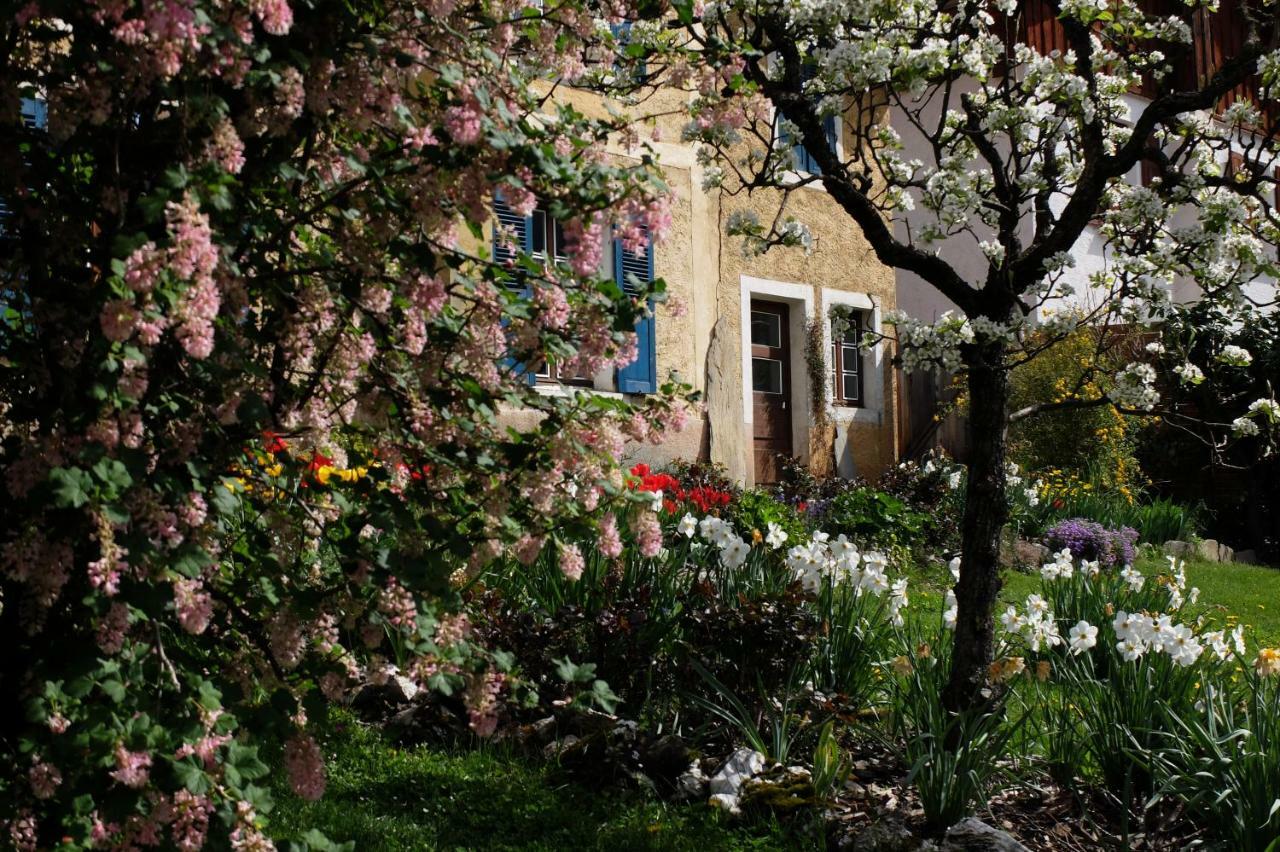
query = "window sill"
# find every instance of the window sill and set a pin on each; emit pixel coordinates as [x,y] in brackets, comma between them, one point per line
[795,178]
[559,390]
[853,414]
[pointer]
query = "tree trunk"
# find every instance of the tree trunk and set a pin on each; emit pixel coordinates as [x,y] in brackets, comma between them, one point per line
[985,511]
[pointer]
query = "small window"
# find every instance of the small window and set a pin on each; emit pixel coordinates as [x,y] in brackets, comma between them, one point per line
[846,359]
[766,329]
[766,375]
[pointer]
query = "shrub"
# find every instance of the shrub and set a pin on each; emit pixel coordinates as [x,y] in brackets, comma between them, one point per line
[873,518]
[1092,541]
[756,509]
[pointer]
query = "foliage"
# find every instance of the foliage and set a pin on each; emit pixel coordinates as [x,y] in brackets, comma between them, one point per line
[1156,520]
[1222,760]
[255,346]
[873,518]
[1074,440]
[757,509]
[953,759]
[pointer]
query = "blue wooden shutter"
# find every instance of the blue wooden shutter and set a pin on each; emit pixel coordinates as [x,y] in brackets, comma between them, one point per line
[830,126]
[35,116]
[641,375]
[508,221]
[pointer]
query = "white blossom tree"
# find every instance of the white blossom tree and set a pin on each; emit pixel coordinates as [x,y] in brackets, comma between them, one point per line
[961,138]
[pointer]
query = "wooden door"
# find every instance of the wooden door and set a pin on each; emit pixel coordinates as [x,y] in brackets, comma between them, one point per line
[770,386]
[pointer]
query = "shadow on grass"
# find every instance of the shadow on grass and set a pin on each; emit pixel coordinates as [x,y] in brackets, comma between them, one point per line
[387,798]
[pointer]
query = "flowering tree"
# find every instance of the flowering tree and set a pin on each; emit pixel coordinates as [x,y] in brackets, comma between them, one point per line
[255,350]
[946,134]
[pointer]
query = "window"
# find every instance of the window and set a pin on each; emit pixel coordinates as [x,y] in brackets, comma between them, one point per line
[540,236]
[805,163]
[35,116]
[846,358]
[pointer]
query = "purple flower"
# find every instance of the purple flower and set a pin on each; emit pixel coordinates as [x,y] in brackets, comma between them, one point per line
[1091,540]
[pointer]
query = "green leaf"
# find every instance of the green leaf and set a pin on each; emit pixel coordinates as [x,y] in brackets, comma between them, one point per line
[71,486]
[191,776]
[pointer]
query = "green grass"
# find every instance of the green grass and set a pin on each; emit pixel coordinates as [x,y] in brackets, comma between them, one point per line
[1248,593]
[388,798]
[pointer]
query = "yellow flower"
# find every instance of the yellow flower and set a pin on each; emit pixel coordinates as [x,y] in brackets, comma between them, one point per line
[902,665]
[323,473]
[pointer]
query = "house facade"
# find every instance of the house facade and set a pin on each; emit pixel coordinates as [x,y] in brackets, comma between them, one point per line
[747,326]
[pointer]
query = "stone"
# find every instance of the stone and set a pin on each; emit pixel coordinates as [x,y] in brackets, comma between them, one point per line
[884,835]
[1179,549]
[724,403]
[733,773]
[1247,556]
[1207,549]
[691,785]
[780,790]
[726,785]
[974,835]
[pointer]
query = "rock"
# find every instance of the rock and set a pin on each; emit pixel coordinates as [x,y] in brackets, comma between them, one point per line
[885,835]
[554,749]
[726,785]
[1030,554]
[780,790]
[664,760]
[724,402]
[740,766]
[1179,549]
[1248,556]
[691,785]
[974,835]
[1210,550]
[725,802]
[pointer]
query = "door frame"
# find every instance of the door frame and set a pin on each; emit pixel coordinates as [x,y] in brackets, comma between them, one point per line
[800,299]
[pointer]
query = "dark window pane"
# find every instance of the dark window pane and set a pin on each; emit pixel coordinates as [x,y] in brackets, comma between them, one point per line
[852,392]
[540,233]
[850,359]
[766,375]
[766,329]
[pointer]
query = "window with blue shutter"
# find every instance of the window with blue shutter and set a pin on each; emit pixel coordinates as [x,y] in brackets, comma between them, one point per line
[633,271]
[831,127]
[35,116]
[513,234]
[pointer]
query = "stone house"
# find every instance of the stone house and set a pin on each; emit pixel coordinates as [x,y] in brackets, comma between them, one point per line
[751,325]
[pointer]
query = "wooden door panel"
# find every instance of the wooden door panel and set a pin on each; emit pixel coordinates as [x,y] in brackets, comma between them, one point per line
[770,385]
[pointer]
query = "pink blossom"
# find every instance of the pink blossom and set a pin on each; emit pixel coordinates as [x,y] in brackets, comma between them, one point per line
[305,765]
[397,604]
[132,767]
[190,820]
[225,147]
[610,541]
[276,16]
[481,700]
[194,606]
[112,628]
[571,561]
[44,777]
[58,723]
[553,307]
[452,629]
[584,243]
[287,641]
[648,533]
[528,547]
[419,138]
[118,319]
[463,122]
[22,832]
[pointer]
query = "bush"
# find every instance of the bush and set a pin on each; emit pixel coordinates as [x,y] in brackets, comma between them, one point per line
[757,510]
[1092,541]
[874,519]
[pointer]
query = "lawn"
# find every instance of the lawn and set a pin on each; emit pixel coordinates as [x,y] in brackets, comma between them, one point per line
[388,798]
[1248,593]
